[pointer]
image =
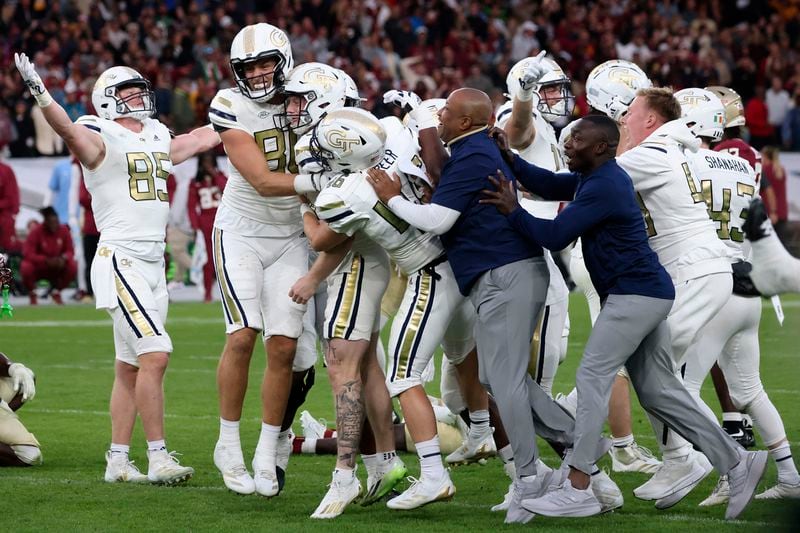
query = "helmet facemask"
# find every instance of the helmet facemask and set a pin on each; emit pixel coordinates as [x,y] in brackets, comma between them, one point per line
[322,155]
[123,105]
[300,121]
[556,99]
[270,82]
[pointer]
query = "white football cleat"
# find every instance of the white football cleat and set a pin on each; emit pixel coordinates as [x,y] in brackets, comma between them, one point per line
[674,476]
[381,484]
[340,493]
[473,450]
[265,475]
[164,468]
[230,462]
[607,492]
[312,428]
[633,458]
[422,492]
[565,501]
[719,495]
[781,491]
[120,468]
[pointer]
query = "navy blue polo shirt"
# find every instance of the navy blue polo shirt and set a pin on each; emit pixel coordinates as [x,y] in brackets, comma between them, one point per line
[603,211]
[481,238]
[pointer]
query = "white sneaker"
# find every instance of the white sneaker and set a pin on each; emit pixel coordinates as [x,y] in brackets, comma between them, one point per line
[381,484]
[719,495]
[265,475]
[565,501]
[633,458]
[422,492]
[511,472]
[607,492]
[283,451]
[230,462]
[521,490]
[120,468]
[743,479]
[473,450]
[568,402]
[311,427]
[674,475]
[781,491]
[344,488]
[164,468]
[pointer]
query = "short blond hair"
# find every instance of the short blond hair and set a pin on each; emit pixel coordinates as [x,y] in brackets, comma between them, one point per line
[662,101]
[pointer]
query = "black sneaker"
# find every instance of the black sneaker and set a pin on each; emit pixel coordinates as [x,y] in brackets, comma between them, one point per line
[738,433]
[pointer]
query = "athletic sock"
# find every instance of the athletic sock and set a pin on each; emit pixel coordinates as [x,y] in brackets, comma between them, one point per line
[268,441]
[344,475]
[787,471]
[119,449]
[732,417]
[370,463]
[156,445]
[506,454]
[229,432]
[479,424]
[308,446]
[430,459]
[622,442]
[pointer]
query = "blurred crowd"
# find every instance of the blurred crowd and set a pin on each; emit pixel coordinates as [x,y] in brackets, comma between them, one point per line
[430,46]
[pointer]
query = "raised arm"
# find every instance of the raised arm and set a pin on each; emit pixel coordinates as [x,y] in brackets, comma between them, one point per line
[87,147]
[520,129]
[190,144]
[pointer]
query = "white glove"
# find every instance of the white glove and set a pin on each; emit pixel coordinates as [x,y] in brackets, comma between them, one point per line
[411,103]
[32,79]
[22,380]
[530,77]
[310,184]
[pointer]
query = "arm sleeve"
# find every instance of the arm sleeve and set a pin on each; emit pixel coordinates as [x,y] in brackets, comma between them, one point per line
[591,207]
[541,182]
[433,218]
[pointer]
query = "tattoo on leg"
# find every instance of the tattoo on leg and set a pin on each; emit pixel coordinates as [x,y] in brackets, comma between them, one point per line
[349,419]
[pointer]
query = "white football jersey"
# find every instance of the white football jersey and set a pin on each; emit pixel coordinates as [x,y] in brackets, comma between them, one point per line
[349,205]
[401,158]
[129,188]
[674,211]
[243,210]
[727,184]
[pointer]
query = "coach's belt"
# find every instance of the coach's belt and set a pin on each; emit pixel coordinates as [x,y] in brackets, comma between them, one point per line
[430,268]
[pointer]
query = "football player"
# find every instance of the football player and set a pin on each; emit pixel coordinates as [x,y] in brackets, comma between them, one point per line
[126,157]
[18,446]
[258,252]
[312,91]
[684,237]
[727,184]
[540,92]
[346,142]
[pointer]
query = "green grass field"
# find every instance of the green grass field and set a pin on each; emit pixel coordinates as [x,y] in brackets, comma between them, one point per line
[71,351]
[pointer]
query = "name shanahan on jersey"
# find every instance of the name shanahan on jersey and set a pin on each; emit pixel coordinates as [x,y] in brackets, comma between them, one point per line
[674,211]
[349,205]
[243,210]
[129,187]
[727,184]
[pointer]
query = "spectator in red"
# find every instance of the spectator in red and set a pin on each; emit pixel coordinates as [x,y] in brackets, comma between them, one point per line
[89,234]
[48,254]
[756,113]
[776,174]
[9,207]
[205,193]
